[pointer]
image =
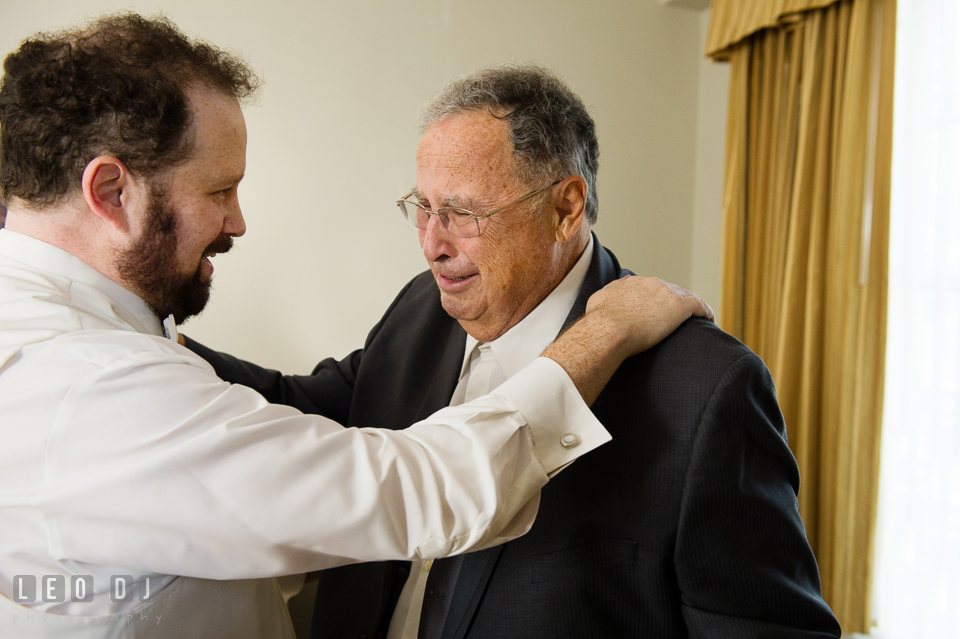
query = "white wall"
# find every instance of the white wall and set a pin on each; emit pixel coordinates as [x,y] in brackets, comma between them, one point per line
[712,101]
[332,143]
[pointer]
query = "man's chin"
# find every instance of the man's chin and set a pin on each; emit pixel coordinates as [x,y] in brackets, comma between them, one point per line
[186,301]
[457,307]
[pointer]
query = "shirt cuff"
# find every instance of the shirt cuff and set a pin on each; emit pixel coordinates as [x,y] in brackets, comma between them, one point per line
[563,426]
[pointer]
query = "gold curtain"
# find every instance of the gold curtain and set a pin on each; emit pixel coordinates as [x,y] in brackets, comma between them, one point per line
[805,235]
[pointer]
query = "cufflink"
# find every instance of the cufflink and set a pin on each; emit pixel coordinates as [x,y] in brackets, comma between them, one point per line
[570,441]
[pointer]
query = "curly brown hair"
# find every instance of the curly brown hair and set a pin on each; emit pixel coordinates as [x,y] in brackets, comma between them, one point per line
[116,86]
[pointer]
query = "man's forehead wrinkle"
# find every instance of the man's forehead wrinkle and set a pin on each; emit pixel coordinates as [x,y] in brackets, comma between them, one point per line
[444,157]
[466,162]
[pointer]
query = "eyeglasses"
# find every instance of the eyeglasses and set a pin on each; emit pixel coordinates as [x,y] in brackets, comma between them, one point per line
[459,222]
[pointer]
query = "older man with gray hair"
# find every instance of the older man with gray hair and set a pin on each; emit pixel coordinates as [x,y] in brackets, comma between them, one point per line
[686,526]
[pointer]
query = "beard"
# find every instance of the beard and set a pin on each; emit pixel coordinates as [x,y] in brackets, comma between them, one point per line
[150,266]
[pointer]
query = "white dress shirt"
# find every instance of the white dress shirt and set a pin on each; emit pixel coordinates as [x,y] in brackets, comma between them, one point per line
[124,454]
[512,351]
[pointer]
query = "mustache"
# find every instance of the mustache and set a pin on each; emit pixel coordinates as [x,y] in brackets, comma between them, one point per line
[222,244]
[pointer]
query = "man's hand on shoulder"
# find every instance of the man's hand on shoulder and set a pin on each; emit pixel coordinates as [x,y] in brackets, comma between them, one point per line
[644,310]
[623,318]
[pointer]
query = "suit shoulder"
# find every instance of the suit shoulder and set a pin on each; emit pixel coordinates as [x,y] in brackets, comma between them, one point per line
[416,310]
[701,349]
[698,336]
[422,289]
[420,292]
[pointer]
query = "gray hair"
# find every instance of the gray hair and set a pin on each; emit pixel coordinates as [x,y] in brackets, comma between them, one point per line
[553,135]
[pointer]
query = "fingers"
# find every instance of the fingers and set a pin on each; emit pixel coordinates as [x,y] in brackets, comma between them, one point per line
[646,309]
[693,304]
[708,311]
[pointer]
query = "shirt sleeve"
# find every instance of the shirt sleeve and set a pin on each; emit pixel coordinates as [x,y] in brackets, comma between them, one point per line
[158,465]
[561,426]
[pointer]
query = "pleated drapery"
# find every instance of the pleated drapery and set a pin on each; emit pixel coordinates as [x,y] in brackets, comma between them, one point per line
[804,258]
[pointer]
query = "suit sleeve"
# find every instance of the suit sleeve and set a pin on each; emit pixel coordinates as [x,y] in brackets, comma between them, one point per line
[327,391]
[744,565]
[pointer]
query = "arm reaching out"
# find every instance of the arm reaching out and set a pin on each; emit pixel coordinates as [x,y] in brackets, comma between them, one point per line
[623,319]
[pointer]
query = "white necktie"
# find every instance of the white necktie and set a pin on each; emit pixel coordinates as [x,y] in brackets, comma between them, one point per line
[475,382]
[482,367]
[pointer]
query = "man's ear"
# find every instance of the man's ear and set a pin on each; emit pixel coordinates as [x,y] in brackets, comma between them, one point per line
[108,191]
[570,207]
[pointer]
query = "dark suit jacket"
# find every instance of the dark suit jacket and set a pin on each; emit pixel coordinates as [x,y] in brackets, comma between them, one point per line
[685,525]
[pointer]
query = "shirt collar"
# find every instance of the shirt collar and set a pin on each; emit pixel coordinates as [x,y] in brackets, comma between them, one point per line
[46,257]
[529,337]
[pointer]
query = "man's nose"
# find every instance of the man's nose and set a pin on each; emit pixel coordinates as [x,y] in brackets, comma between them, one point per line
[437,242]
[234,224]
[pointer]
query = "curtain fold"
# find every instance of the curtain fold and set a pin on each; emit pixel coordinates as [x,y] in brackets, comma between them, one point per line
[804,250]
[733,20]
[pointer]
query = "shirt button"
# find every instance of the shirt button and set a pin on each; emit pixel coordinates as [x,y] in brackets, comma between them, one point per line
[570,440]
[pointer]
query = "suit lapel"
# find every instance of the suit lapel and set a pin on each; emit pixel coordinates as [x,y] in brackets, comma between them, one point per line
[478,567]
[471,584]
[603,269]
[434,364]
[442,379]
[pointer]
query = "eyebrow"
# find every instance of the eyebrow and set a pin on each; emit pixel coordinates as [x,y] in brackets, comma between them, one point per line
[456,202]
[229,181]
